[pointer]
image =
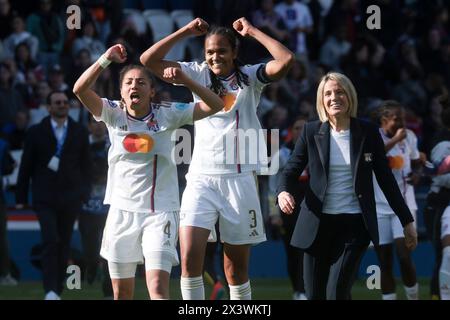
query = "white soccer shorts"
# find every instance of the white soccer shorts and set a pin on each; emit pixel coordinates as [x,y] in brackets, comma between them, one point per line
[135,236]
[389,228]
[233,199]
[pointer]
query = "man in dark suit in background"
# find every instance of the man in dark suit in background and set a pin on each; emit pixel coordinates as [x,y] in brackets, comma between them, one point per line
[56,160]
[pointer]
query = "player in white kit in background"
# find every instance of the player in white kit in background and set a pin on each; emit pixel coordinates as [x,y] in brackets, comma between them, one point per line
[142,187]
[221,179]
[405,162]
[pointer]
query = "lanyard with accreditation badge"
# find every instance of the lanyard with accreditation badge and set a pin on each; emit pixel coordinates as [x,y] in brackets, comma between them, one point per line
[54,161]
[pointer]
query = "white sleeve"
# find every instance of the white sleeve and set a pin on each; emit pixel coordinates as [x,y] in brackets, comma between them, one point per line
[442,180]
[412,142]
[257,75]
[179,114]
[193,69]
[440,151]
[109,111]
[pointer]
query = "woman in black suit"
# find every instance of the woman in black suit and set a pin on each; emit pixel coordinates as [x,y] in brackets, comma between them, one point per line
[338,217]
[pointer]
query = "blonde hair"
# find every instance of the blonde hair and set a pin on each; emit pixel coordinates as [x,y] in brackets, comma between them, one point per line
[349,90]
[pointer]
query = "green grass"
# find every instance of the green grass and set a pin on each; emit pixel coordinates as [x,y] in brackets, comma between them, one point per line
[262,289]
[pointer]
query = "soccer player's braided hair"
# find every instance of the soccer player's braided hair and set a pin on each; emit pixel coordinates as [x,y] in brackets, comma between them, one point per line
[241,78]
[386,109]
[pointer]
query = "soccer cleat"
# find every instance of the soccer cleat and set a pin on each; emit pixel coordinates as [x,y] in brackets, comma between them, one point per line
[218,291]
[299,296]
[51,295]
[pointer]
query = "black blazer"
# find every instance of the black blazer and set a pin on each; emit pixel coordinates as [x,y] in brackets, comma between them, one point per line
[367,154]
[71,184]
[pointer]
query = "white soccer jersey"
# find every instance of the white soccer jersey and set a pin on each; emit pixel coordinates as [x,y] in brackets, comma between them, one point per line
[142,176]
[231,140]
[296,15]
[399,158]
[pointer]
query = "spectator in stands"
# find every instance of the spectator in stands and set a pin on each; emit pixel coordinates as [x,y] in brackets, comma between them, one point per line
[271,23]
[6,18]
[410,90]
[56,79]
[48,28]
[25,61]
[106,15]
[297,17]
[41,92]
[335,47]
[10,99]
[16,136]
[295,87]
[20,35]
[88,40]
[56,161]
[6,167]
[344,12]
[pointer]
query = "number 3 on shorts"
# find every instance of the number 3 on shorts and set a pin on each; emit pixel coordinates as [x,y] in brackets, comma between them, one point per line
[253,217]
[167,229]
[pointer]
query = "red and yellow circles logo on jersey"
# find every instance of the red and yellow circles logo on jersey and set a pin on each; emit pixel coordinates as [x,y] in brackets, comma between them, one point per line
[138,143]
[396,162]
[228,100]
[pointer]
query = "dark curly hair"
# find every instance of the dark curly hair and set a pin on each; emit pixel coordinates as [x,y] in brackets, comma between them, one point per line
[241,78]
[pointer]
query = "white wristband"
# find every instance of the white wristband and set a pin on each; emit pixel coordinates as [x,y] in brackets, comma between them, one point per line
[103,61]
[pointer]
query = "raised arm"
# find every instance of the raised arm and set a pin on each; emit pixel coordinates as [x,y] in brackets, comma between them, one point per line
[211,102]
[153,57]
[82,87]
[283,57]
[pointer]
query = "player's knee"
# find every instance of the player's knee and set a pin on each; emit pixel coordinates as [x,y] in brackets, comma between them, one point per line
[235,274]
[122,291]
[190,266]
[157,289]
[386,265]
[404,257]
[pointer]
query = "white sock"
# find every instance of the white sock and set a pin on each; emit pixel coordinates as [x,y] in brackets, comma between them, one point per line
[389,296]
[444,275]
[241,292]
[192,288]
[412,293]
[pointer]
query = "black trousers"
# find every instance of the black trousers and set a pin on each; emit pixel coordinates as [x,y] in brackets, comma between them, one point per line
[56,224]
[435,207]
[4,247]
[331,264]
[294,255]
